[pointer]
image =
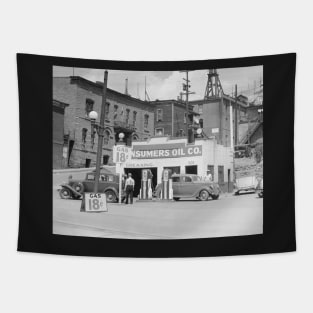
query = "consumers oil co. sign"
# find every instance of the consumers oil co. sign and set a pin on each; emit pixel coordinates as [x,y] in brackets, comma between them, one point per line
[158,151]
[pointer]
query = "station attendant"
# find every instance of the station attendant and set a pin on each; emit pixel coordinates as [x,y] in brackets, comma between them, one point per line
[124,177]
[129,188]
[208,176]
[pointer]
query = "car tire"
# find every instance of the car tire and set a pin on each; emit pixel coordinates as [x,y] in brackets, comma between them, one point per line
[204,195]
[65,194]
[176,199]
[78,187]
[111,196]
[215,197]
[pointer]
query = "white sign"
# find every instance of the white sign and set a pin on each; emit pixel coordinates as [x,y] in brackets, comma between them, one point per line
[95,202]
[215,130]
[121,154]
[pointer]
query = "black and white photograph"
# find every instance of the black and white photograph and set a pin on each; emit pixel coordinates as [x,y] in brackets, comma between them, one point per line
[157,154]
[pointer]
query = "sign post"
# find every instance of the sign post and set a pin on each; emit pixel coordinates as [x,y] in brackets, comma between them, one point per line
[121,154]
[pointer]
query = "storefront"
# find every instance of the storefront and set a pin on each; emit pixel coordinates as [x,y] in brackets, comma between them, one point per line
[159,153]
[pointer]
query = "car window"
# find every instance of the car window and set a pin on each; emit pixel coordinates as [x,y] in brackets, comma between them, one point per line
[90,177]
[175,179]
[104,177]
[196,178]
[110,178]
[187,179]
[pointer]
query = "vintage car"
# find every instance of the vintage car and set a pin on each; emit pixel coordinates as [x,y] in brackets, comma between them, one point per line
[191,186]
[108,184]
[245,184]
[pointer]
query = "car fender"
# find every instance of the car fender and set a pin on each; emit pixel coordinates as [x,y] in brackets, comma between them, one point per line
[71,189]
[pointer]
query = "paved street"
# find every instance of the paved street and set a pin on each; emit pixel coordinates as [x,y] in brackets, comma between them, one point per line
[228,216]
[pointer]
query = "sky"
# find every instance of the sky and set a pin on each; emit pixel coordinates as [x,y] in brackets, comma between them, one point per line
[164,85]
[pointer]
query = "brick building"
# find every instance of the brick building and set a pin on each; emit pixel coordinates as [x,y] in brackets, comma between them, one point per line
[58,109]
[170,118]
[133,117]
[215,117]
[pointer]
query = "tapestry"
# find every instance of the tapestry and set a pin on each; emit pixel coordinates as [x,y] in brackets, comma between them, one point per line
[156,159]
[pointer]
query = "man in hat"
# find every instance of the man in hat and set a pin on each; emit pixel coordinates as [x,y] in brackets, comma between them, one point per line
[129,188]
[208,176]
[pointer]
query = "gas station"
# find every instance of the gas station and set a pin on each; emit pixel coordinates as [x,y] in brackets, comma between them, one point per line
[158,154]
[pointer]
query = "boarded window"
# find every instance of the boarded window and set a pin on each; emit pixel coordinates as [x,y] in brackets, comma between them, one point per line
[159,115]
[89,106]
[146,121]
[134,118]
[127,116]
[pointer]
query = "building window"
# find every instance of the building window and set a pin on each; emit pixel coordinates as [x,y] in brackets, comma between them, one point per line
[185,118]
[127,116]
[159,131]
[159,115]
[134,118]
[106,137]
[115,111]
[181,133]
[107,109]
[200,108]
[105,159]
[201,123]
[135,137]
[146,121]
[84,135]
[89,106]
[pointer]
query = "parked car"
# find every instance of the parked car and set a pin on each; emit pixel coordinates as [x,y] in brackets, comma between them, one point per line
[245,184]
[191,186]
[108,184]
[259,188]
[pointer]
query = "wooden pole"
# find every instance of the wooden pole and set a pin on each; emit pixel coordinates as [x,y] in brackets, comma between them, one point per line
[101,132]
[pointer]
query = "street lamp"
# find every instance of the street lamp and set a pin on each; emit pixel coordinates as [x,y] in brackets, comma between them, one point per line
[199,132]
[121,137]
[93,115]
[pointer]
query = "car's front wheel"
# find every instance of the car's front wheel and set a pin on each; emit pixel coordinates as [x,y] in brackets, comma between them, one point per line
[176,199]
[65,193]
[110,195]
[204,195]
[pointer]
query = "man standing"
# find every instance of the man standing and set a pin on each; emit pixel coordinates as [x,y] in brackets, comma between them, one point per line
[129,188]
[124,177]
[208,176]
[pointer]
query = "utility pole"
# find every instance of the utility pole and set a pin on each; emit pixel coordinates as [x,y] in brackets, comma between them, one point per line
[101,131]
[236,117]
[187,93]
[126,86]
[147,98]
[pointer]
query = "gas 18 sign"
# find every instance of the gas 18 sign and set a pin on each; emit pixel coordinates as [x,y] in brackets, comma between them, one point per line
[159,151]
[121,154]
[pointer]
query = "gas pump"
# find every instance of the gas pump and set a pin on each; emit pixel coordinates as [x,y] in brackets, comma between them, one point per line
[167,187]
[146,185]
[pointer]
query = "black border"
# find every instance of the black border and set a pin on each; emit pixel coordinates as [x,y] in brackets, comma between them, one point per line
[35,223]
